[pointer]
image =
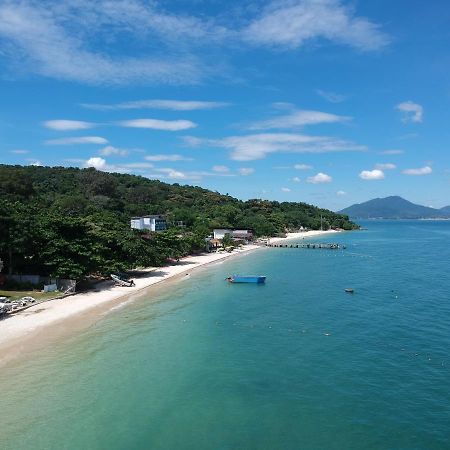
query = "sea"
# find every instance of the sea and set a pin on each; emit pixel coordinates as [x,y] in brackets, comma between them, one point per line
[296,363]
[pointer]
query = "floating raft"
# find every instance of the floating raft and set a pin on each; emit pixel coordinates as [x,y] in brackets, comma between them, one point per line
[313,246]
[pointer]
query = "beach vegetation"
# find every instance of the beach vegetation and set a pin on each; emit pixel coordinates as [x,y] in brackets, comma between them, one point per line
[70,222]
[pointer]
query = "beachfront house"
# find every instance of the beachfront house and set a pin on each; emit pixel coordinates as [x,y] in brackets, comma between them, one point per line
[244,235]
[238,235]
[149,223]
[220,233]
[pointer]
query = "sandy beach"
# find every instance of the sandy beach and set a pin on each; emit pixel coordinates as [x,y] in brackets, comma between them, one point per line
[40,321]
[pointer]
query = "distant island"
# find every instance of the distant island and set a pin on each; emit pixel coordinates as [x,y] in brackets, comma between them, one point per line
[394,207]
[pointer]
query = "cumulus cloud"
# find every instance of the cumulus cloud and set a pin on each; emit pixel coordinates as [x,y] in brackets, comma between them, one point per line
[412,112]
[174,105]
[156,124]
[68,125]
[285,189]
[298,118]
[331,97]
[221,169]
[258,146]
[319,178]
[385,166]
[302,166]
[35,163]
[77,140]
[341,193]
[420,171]
[296,180]
[293,23]
[167,157]
[96,162]
[110,150]
[375,174]
[246,171]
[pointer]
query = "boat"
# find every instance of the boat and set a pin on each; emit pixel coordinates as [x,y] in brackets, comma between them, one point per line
[349,290]
[120,282]
[258,279]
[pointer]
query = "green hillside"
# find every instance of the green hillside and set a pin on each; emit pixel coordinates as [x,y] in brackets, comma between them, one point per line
[72,222]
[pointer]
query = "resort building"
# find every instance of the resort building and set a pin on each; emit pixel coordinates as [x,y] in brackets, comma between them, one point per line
[243,235]
[220,233]
[149,223]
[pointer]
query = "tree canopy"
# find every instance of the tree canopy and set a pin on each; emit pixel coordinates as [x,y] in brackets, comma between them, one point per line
[70,222]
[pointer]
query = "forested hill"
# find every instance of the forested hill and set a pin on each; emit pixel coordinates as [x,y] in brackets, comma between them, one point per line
[393,207]
[56,205]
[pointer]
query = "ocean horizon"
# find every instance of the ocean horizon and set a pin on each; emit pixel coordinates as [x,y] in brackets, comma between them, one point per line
[295,363]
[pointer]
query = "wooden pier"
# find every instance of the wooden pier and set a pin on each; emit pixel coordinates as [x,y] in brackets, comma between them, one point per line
[310,246]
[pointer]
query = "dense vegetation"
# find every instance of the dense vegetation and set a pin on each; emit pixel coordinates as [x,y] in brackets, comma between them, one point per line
[69,222]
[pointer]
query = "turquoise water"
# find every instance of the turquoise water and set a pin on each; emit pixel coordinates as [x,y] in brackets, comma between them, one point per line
[294,364]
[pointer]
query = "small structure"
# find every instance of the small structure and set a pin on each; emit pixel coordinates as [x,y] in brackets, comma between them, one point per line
[149,223]
[241,235]
[220,233]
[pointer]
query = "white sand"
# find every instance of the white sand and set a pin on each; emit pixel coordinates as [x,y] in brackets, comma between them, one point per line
[22,326]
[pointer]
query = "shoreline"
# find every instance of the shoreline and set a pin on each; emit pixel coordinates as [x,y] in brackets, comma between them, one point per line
[41,323]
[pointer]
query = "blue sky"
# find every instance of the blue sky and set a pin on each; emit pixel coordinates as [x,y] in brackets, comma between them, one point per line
[329,102]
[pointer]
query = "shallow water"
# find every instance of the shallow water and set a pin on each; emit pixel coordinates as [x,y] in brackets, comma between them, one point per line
[296,363]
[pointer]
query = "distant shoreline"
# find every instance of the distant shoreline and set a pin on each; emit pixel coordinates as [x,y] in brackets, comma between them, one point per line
[43,322]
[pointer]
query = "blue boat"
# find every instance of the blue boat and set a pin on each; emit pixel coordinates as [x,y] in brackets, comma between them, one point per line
[246,279]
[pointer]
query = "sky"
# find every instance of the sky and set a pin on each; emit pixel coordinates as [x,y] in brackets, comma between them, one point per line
[329,102]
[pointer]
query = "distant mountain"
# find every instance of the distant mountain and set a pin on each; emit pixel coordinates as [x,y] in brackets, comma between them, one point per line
[394,207]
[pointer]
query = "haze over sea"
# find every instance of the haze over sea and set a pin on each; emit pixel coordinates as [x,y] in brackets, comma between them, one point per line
[297,363]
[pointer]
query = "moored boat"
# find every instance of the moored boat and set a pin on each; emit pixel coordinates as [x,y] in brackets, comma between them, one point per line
[258,279]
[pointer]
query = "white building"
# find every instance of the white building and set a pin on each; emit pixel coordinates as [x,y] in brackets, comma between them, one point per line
[149,223]
[220,233]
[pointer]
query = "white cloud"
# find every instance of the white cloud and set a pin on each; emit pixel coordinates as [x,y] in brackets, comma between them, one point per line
[392,152]
[110,150]
[68,125]
[293,23]
[296,180]
[285,189]
[53,41]
[385,166]
[174,105]
[155,124]
[167,158]
[341,193]
[331,97]
[298,118]
[319,178]
[375,174]
[412,112]
[19,151]
[221,169]
[246,171]
[77,140]
[302,167]
[420,171]
[96,162]
[35,163]
[258,146]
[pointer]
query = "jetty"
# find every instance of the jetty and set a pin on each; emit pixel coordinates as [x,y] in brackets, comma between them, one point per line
[321,246]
